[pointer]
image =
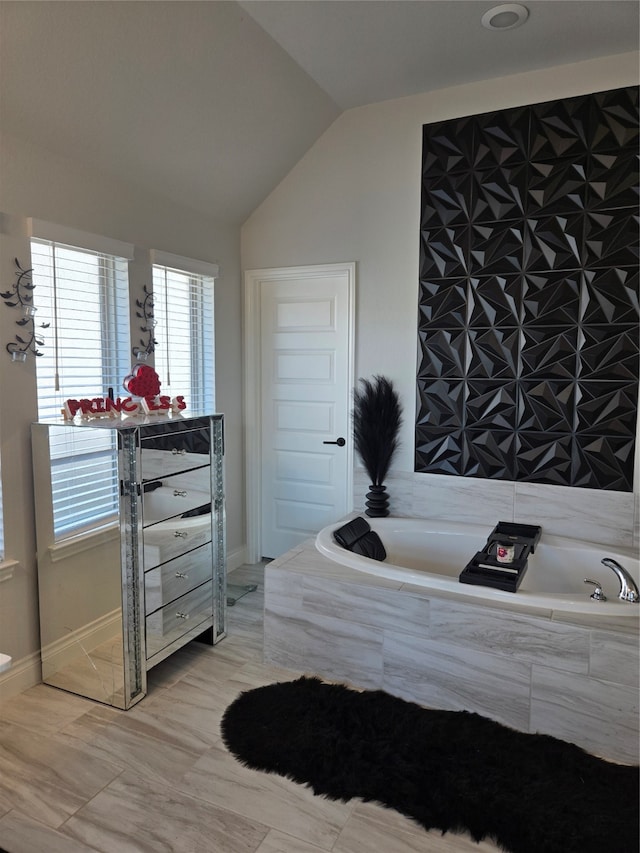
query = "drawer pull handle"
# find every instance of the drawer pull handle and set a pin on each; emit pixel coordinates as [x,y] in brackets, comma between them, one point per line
[176,452]
[182,615]
[182,575]
[179,493]
[179,534]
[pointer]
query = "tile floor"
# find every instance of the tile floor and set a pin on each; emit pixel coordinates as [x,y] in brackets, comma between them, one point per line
[77,776]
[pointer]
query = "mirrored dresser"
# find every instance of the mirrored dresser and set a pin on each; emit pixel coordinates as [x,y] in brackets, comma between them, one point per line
[130,534]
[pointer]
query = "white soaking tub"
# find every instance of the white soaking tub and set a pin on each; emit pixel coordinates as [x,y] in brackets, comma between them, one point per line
[431,554]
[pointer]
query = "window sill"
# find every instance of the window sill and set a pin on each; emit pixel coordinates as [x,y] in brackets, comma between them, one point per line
[83,542]
[6,569]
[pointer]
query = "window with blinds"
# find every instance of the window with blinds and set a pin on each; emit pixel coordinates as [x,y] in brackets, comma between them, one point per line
[184,333]
[84,295]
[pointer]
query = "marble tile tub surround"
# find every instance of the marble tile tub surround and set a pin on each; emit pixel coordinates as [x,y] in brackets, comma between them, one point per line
[607,517]
[573,678]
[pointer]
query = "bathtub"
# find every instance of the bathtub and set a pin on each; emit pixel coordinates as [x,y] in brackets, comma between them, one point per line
[431,554]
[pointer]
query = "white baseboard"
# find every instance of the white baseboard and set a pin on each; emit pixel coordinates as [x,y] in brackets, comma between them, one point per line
[64,651]
[27,672]
[23,674]
[236,558]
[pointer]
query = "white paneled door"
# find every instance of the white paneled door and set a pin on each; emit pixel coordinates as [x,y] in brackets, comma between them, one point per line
[305,376]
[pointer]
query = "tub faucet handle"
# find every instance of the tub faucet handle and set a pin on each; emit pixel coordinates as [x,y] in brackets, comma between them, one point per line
[597,594]
[628,589]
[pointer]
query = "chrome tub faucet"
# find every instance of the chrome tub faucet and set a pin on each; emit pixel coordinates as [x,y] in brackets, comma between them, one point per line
[628,588]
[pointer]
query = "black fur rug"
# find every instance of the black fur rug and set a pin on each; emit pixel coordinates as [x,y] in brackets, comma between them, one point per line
[448,770]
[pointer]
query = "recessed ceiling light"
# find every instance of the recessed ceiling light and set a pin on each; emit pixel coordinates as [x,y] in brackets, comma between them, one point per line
[505,17]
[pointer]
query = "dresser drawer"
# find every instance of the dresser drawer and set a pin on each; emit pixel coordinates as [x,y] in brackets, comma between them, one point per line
[172,496]
[162,542]
[166,454]
[177,577]
[178,618]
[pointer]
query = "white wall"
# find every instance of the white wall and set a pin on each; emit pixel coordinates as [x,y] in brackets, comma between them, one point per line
[35,183]
[355,196]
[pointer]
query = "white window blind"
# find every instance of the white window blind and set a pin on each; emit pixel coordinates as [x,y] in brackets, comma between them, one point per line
[84,294]
[184,331]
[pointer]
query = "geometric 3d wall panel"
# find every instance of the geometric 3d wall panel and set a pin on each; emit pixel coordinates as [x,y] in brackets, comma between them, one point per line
[528,314]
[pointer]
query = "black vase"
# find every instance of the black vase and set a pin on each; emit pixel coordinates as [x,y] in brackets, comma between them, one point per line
[377,502]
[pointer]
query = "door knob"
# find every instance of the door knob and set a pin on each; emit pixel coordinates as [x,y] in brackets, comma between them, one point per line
[340,442]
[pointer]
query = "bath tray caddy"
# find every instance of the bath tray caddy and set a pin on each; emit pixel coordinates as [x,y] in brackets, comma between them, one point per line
[486,570]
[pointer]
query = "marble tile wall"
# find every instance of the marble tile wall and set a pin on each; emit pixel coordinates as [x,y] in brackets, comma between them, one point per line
[607,517]
[576,681]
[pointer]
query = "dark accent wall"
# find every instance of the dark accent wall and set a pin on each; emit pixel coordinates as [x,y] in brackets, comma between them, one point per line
[528,303]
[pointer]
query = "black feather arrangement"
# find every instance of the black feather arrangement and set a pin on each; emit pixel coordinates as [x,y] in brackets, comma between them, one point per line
[377,417]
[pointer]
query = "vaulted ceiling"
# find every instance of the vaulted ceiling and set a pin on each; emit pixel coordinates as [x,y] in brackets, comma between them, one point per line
[211,102]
